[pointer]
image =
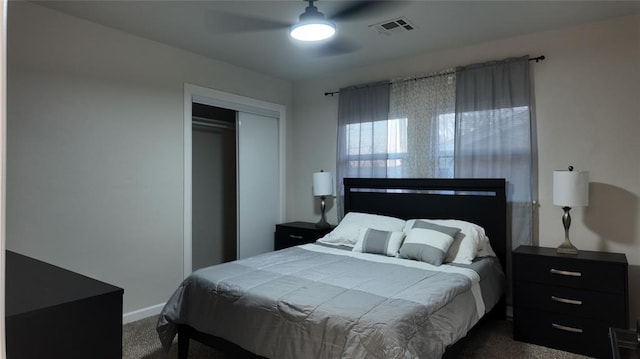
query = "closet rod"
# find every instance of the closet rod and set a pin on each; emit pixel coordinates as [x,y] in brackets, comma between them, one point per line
[207,122]
[536,59]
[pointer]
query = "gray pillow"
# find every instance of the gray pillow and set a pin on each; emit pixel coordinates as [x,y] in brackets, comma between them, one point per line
[428,242]
[378,242]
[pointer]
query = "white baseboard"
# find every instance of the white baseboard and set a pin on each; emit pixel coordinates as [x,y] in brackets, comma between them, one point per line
[142,313]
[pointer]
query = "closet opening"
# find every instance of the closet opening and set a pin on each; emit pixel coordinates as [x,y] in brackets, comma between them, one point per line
[214,185]
[259,191]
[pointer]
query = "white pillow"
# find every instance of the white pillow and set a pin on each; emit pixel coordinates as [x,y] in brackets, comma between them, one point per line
[379,242]
[466,244]
[429,243]
[486,250]
[347,231]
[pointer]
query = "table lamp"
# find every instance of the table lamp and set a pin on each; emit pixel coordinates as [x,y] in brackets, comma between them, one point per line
[570,189]
[322,187]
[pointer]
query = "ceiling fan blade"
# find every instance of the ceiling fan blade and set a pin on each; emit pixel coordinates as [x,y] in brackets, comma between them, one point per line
[333,47]
[223,22]
[365,9]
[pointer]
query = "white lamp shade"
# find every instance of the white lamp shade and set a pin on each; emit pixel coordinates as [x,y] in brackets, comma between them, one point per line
[571,188]
[322,184]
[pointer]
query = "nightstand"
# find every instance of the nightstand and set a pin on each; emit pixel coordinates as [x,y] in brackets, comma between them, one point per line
[296,233]
[568,302]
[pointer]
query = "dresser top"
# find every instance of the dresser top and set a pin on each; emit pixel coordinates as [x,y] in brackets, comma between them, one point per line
[32,284]
[582,255]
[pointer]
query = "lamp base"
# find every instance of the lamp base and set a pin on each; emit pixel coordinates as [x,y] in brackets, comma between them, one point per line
[322,224]
[567,248]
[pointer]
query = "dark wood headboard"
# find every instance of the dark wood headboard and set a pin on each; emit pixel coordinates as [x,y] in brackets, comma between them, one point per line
[480,201]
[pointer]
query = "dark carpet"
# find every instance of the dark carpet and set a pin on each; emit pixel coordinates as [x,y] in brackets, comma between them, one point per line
[490,339]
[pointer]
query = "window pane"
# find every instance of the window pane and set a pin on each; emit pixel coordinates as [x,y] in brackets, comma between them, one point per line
[446,144]
[377,145]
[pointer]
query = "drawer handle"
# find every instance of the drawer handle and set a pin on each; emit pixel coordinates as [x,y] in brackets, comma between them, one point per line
[566,329]
[295,237]
[567,273]
[566,301]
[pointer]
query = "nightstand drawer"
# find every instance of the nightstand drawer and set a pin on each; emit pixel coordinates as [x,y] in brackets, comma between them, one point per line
[576,302]
[297,233]
[569,272]
[578,335]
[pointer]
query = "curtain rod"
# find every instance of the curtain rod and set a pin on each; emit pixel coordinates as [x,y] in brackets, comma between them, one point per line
[536,59]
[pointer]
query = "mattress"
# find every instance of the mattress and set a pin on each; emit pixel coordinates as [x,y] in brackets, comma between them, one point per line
[315,301]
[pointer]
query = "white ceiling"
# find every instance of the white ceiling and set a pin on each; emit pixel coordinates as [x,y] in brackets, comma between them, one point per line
[254,35]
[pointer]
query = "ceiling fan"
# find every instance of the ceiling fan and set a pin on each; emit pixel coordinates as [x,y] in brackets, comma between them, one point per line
[313,26]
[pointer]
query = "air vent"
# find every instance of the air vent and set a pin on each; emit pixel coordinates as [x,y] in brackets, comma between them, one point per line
[395,26]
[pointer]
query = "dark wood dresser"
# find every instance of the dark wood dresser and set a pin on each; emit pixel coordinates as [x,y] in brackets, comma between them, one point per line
[296,233]
[568,302]
[55,313]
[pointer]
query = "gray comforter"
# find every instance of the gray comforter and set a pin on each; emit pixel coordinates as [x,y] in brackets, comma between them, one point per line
[316,302]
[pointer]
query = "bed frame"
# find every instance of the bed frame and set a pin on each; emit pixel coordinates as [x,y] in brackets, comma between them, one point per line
[480,201]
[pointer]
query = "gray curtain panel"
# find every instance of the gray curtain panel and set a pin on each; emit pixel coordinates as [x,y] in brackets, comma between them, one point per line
[363,112]
[494,136]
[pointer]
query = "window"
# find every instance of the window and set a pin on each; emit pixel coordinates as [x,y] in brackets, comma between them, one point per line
[377,146]
[384,144]
[497,143]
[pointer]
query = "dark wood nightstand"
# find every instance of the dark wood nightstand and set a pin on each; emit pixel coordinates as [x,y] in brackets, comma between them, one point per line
[296,233]
[568,302]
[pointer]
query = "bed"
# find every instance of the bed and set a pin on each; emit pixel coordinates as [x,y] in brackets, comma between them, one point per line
[324,301]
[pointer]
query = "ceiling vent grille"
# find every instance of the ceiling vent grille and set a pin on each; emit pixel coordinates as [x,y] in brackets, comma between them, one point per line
[395,26]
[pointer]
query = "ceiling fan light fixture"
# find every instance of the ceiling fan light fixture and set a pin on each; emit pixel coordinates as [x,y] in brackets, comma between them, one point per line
[312,25]
[312,30]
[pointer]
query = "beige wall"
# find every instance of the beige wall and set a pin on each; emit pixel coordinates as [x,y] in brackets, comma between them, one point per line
[587,96]
[95,147]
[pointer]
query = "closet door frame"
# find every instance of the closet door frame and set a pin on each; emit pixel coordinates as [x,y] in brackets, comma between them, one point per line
[198,94]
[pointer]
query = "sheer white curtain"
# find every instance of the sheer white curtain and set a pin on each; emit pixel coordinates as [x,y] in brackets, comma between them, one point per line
[425,107]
